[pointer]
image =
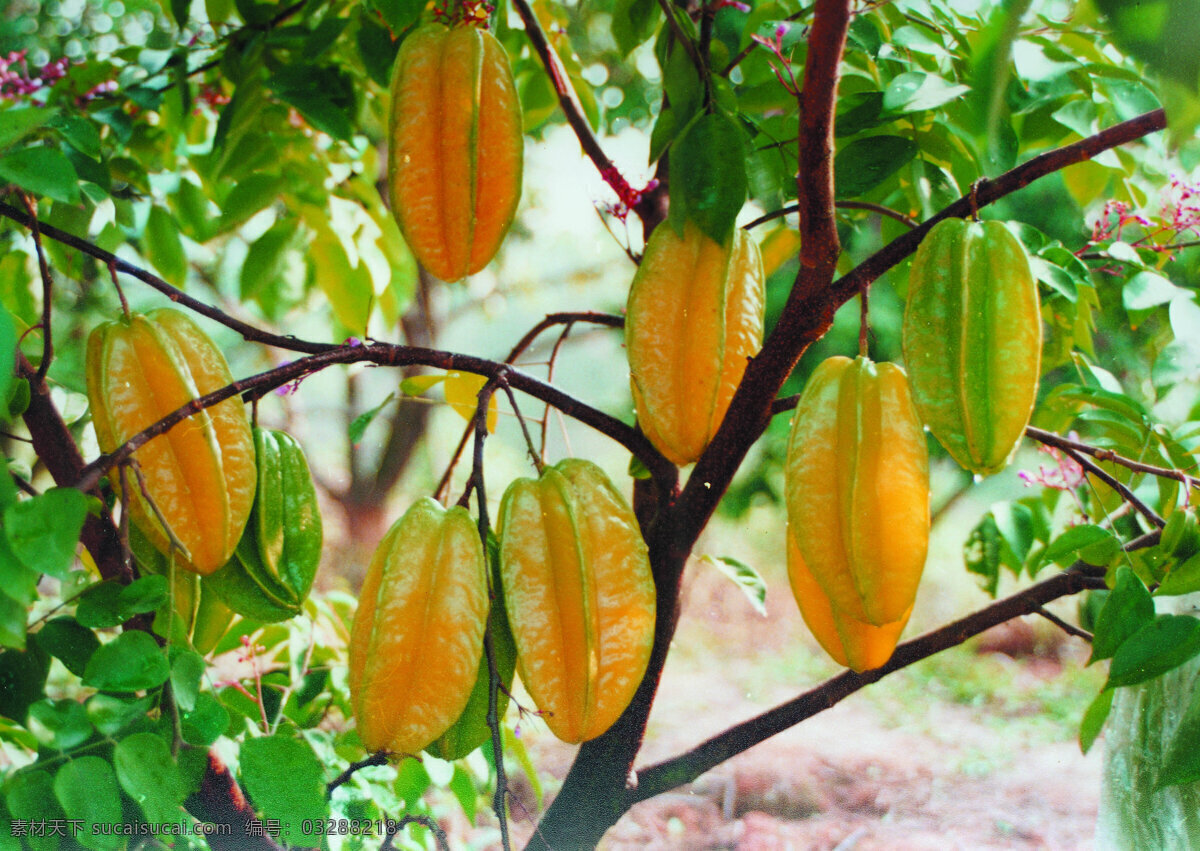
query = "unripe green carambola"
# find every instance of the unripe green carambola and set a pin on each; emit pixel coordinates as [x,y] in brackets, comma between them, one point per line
[973,340]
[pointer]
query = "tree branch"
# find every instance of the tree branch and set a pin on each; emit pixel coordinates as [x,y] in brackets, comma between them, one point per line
[648,204]
[386,354]
[688,766]
[1049,438]
[248,332]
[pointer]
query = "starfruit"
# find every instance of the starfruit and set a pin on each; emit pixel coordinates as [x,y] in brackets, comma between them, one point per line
[852,643]
[579,594]
[471,729]
[417,636]
[972,339]
[272,570]
[694,320]
[193,614]
[456,147]
[200,473]
[857,489]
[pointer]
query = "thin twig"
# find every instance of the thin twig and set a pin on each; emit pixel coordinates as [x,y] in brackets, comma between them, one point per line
[394,828]
[1110,480]
[380,758]
[1049,438]
[562,338]
[47,286]
[1069,629]
[493,718]
[549,321]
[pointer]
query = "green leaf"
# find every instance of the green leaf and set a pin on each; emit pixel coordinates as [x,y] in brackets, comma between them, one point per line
[206,723]
[67,640]
[463,788]
[1153,32]
[914,91]
[411,782]
[348,288]
[187,667]
[1165,643]
[149,775]
[285,780]
[1183,578]
[376,47]
[162,246]
[981,552]
[865,163]
[130,662]
[12,618]
[143,595]
[359,426]
[1181,762]
[42,171]
[1127,609]
[59,724]
[87,789]
[744,577]
[1146,290]
[31,798]
[8,354]
[16,124]
[633,22]
[22,680]
[110,714]
[247,197]
[1063,548]
[708,176]
[44,530]
[1094,718]
[99,606]
[80,133]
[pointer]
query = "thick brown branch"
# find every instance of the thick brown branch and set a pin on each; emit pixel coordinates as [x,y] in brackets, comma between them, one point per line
[58,451]
[687,767]
[806,320]
[819,246]
[220,801]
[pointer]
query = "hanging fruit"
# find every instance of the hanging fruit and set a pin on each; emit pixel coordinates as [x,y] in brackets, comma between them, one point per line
[857,490]
[201,473]
[973,340]
[694,320]
[417,637]
[273,567]
[456,147]
[579,594]
[857,645]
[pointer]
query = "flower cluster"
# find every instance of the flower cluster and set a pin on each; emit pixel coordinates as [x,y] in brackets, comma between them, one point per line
[18,81]
[472,12]
[1176,222]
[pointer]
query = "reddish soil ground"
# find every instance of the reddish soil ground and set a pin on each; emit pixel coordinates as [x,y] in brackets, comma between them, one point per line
[909,764]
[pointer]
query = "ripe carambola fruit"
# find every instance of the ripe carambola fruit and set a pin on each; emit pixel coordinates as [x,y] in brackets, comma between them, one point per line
[695,318]
[200,474]
[417,637]
[456,148]
[273,567]
[857,489]
[973,340]
[579,594]
[857,645]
